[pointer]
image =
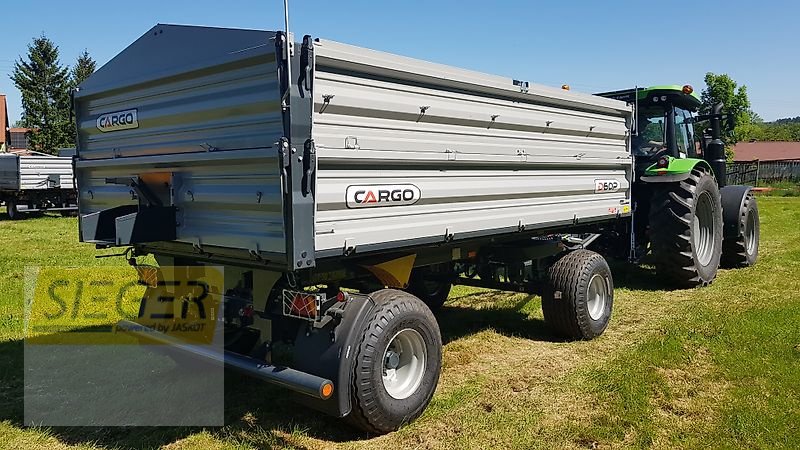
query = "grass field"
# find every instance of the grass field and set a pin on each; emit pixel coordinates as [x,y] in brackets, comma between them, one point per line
[715,367]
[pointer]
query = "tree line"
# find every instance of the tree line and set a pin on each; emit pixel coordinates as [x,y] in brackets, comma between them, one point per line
[780,130]
[749,125]
[45,85]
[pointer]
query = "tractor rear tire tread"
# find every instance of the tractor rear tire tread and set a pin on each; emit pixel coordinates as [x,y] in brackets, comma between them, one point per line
[671,216]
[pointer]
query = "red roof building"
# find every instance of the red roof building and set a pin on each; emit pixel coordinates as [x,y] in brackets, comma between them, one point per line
[766,151]
[4,131]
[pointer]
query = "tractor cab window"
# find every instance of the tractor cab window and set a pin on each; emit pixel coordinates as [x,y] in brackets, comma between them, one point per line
[683,134]
[650,137]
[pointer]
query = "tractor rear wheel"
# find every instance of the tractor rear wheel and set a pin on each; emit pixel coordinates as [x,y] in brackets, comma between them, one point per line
[686,230]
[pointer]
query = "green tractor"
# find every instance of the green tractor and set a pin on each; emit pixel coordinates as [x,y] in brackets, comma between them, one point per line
[685,217]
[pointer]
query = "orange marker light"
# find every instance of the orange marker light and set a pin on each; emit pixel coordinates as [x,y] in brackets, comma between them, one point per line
[327,390]
[688,89]
[565,87]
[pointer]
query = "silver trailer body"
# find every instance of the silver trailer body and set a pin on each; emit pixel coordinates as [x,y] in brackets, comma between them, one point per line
[361,151]
[310,168]
[35,172]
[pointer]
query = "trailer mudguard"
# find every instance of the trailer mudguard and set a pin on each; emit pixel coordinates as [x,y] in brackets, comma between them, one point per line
[677,169]
[330,352]
[732,203]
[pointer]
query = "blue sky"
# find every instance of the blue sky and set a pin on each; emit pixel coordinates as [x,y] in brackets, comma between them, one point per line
[590,45]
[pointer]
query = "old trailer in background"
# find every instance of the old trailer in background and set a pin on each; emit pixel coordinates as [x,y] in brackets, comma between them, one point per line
[344,190]
[37,182]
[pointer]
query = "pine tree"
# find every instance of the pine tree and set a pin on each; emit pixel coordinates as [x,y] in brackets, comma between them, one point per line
[44,84]
[84,67]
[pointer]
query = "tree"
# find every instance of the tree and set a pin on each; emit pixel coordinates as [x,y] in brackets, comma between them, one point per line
[722,88]
[44,85]
[84,67]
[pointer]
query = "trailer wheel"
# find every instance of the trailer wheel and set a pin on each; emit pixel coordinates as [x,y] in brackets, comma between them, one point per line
[12,210]
[578,297]
[430,285]
[398,363]
[686,230]
[742,250]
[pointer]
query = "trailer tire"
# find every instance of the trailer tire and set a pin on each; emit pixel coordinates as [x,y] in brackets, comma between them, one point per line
[578,297]
[402,334]
[742,250]
[12,210]
[686,230]
[432,291]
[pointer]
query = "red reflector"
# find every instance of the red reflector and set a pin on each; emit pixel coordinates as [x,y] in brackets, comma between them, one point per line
[304,305]
[247,311]
[342,296]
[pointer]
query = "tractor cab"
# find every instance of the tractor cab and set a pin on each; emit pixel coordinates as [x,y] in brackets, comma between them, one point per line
[663,125]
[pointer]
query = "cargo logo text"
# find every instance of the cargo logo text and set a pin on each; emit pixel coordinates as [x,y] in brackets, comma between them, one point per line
[120,120]
[382,195]
[605,186]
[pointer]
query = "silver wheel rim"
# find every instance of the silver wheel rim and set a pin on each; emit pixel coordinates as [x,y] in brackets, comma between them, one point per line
[750,234]
[597,297]
[404,363]
[703,229]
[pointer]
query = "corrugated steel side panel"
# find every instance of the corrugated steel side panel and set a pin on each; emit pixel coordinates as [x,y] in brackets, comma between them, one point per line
[226,199]
[227,107]
[208,124]
[35,172]
[44,172]
[484,155]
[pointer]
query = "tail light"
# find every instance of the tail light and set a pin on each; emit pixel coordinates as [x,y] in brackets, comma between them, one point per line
[302,305]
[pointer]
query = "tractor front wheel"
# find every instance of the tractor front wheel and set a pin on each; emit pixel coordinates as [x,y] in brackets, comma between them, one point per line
[686,230]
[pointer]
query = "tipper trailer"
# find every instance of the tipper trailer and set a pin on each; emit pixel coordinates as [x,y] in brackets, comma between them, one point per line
[36,182]
[344,190]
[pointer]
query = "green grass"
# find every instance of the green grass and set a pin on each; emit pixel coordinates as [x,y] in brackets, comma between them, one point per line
[715,367]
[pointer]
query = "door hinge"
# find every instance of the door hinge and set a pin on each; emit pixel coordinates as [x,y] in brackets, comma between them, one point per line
[309,166]
[306,78]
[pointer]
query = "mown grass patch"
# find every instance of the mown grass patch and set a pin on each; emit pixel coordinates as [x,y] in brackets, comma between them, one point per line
[713,367]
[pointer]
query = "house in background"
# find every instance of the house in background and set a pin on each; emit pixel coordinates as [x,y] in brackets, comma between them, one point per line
[18,140]
[766,151]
